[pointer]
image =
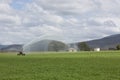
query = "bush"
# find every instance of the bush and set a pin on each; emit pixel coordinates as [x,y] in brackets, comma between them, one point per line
[118,47]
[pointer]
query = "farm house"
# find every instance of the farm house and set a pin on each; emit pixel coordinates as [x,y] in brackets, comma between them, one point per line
[97,49]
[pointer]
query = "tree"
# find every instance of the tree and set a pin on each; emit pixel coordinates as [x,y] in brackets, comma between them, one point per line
[83,46]
[118,47]
[56,46]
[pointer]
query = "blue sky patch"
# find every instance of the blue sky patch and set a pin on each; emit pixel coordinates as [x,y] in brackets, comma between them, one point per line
[19,4]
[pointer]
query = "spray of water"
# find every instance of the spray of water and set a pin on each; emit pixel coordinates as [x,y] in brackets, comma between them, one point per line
[42,43]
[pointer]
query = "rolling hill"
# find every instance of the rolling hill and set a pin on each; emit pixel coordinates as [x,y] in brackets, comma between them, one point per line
[14,47]
[106,42]
[103,43]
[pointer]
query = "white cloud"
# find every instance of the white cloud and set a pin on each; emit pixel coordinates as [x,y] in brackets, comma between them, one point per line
[77,20]
[66,6]
[5,1]
[110,5]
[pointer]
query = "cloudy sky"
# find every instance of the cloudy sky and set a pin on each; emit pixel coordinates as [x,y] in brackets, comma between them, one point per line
[76,20]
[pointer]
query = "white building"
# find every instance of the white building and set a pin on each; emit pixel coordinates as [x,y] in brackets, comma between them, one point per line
[72,47]
[72,50]
[96,49]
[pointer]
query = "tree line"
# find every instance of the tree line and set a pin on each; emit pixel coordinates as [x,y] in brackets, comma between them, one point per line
[83,46]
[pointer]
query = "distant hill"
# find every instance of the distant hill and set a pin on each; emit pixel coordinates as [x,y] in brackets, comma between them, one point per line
[103,43]
[14,47]
[2,46]
[106,42]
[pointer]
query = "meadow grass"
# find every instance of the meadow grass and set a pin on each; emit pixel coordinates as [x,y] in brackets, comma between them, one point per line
[103,65]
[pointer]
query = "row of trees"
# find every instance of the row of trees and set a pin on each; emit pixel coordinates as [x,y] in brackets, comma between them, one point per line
[84,47]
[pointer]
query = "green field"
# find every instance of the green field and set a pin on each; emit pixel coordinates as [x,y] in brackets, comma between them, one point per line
[61,66]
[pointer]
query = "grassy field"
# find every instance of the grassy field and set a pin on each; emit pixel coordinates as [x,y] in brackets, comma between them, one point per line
[61,66]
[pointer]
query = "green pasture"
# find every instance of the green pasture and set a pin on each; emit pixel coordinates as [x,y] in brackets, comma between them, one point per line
[103,65]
